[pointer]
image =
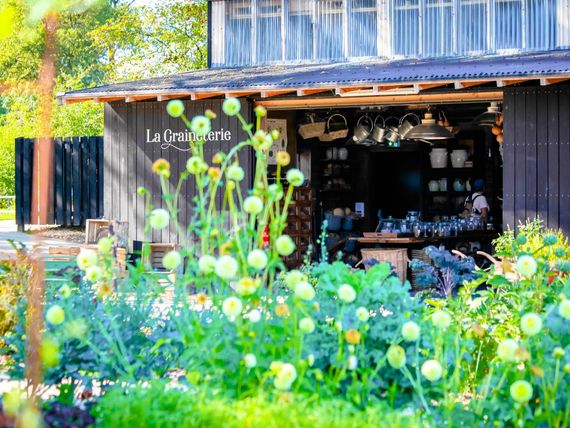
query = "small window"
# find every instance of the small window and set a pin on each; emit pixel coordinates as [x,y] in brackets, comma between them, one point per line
[329,30]
[238,41]
[268,37]
[405,21]
[363,31]
[437,28]
[472,27]
[507,33]
[299,31]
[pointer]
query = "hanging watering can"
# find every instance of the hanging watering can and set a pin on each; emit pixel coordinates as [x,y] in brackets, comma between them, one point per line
[361,132]
[378,131]
[391,135]
[406,126]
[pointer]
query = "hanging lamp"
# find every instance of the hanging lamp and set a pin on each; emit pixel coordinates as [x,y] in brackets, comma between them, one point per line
[429,130]
[489,117]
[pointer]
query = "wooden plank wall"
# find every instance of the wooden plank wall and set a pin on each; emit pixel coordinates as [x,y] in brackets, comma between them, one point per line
[128,159]
[537,156]
[78,180]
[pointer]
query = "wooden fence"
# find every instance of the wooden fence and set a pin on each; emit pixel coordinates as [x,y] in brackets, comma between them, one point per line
[77,182]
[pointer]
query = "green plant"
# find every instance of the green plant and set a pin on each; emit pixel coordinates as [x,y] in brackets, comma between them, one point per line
[14,274]
[160,405]
[530,237]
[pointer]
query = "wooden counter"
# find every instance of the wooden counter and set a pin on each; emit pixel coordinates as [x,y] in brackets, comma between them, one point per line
[472,235]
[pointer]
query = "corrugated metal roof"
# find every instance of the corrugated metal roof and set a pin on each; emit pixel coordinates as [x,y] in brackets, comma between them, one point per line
[372,72]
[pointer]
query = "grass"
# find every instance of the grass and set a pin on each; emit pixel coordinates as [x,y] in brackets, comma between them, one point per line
[8,215]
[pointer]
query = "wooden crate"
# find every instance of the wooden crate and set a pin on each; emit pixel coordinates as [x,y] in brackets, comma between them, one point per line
[157,252]
[96,229]
[71,252]
[63,251]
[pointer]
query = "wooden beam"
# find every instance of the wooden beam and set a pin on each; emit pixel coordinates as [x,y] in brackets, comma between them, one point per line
[552,80]
[107,99]
[273,93]
[135,98]
[462,84]
[508,82]
[204,95]
[424,86]
[394,99]
[167,97]
[340,90]
[238,94]
[311,91]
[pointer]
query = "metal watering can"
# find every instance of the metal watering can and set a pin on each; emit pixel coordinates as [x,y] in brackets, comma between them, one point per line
[391,135]
[361,132]
[406,126]
[378,131]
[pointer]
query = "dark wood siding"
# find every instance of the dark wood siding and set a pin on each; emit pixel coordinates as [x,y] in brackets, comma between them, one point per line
[537,156]
[128,159]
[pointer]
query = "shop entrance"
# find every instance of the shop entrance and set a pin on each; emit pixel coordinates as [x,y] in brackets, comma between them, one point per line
[361,186]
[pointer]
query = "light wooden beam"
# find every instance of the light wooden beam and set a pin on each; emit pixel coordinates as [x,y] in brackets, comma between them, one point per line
[277,92]
[204,95]
[239,94]
[508,82]
[135,98]
[347,89]
[545,81]
[462,84]
[437,98]
[311,91]
[424,86]
[107,99]
[167,97]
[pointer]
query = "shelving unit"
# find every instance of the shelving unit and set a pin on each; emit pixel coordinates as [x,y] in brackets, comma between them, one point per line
[450,201]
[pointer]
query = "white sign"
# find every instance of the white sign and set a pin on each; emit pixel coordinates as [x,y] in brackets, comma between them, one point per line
[180,140]
[279,144]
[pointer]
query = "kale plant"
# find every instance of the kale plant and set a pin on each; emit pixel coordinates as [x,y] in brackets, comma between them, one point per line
[446,271]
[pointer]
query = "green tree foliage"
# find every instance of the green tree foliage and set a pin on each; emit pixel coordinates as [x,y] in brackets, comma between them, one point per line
[98,42]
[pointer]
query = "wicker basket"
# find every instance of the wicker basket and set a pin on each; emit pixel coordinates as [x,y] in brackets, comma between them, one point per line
[397,257]
[312,129]
[336,134]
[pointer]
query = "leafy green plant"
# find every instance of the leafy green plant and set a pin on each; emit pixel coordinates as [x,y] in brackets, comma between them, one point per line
[13,278]
[161,405]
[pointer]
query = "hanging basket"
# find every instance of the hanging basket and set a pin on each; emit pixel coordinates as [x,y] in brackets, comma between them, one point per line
[312,129]
[335,130]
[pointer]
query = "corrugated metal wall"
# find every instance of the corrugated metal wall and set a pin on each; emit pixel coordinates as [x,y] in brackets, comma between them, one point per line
[128,159]
[536,148]
[259,32]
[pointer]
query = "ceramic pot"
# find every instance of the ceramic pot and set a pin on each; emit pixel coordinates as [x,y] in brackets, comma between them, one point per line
[458,158]
[438,158]
[343,153]
[433,186]
[329,153]
[458,185]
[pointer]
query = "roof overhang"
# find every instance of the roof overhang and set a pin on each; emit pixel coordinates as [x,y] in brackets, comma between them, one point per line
[370,80]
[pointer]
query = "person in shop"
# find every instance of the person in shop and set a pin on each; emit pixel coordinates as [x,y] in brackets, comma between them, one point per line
[476,204]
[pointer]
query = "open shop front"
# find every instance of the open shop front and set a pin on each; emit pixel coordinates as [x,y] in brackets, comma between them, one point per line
[381,179]
[388,180]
